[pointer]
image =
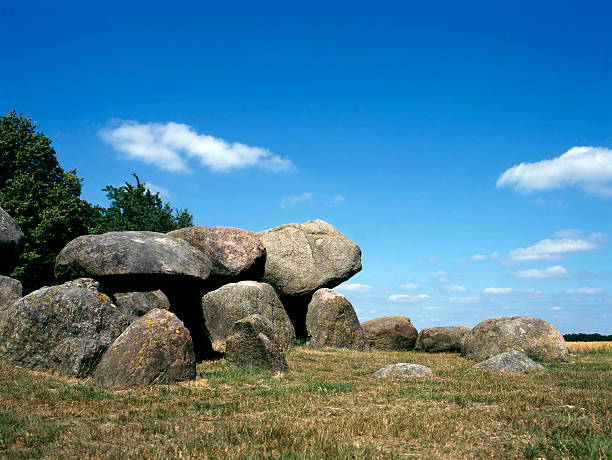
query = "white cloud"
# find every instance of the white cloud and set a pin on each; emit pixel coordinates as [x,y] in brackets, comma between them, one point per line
[552,272]
[168,146]
[354,287]
[440,276]
[585,291]
[295,199]
[433,259]
[553,249]
[589,168]
[495,255]
[555,308]
[497,291]
[157,189]
[430,308]
[464,299]
[404,298]
[455,288]
[568,233]
[410,286]
[474,257]
[337,199]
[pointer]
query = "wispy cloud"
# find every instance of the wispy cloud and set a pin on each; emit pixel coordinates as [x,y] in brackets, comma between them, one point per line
[464,300]
[170,145]
[431,308]
[557,271]
[585,291]
[474,257]
[354,287]
[455,288]
[295,199]
[404,298]
[410,286]
[337,200]
[164,193]
[496,290]
[557,308]
[589,168]
[554,249]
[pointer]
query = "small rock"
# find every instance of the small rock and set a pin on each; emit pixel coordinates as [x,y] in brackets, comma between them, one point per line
[441,339]
[232,302]
[140,303]
[390,333]
[510,361]
[331,321]
[406,369]
[10,292]
[11,243]
[254,345]
[155,349]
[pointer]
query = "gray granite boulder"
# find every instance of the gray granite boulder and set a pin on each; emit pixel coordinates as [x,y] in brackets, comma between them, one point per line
[535,337]
[441,339]
[64,329]
[235,254]
[511,361]
[404,369]
[302,258]
[11,243]
[140,303]
[253,344]
[390,333]
[155,349]
[10,292]
[331,321]
[134,257]
[232,302]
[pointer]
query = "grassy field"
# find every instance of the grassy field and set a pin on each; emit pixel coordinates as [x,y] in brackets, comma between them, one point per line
[329,406]
[590,347]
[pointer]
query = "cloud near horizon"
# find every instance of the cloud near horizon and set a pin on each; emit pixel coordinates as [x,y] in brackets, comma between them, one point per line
[354,287]
[558,271]
[404,298]
[589,168]
[497,291]
[554,249]
[170,145]
[295,199]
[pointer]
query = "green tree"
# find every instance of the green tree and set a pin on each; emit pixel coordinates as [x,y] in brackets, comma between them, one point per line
[42,198]
[135,207]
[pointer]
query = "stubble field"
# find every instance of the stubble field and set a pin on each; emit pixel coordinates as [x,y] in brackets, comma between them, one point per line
[329,406]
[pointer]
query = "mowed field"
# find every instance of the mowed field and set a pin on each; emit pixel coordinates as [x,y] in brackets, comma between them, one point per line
[329,406]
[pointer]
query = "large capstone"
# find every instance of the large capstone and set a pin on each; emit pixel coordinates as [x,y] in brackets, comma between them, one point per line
[136,261]
[332,322]
[441,339]
[235,254]
[390,333]
[155,349]
[11,243]
[232,302]
[535,337]
[64,329]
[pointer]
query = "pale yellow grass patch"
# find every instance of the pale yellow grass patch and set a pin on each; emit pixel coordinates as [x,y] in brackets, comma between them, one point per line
[589,347]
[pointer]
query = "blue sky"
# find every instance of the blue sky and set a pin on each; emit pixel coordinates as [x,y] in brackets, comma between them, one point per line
[400,123]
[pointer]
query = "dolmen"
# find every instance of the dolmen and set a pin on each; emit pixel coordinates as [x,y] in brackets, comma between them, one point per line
[150,305]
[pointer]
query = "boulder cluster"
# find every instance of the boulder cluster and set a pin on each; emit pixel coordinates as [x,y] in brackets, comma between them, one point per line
[140,308]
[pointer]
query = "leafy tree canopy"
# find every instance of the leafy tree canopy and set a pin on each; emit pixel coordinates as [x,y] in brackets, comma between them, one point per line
[135,207]
[42,198]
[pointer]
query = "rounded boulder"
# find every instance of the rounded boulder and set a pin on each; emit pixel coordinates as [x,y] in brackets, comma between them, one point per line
[390,333]
[535,337]
[441,339]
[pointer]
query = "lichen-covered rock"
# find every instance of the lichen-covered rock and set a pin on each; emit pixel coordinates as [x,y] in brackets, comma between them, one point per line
[232,302]
[331,321]
[535,337]
[235,254]
[441,339]
[10,292]
[302,258]
[253,344]
[155,349]
[404,369]
[390,333]
[63,329]
[511,361]
[11,243]
[133,255]
[140,303]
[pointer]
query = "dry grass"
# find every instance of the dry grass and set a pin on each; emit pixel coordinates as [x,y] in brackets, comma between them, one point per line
[590,347]
[329,406]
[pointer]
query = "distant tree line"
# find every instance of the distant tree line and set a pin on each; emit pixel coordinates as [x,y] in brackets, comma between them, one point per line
[45,202]
[582,337]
